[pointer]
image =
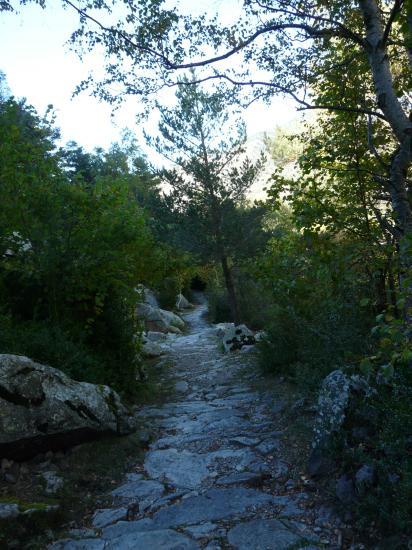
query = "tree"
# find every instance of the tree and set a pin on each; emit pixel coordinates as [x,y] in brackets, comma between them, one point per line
[274,47]
[211,176]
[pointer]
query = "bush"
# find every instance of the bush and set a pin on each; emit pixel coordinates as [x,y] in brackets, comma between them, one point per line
[218,304]
[313,319]
[72,251]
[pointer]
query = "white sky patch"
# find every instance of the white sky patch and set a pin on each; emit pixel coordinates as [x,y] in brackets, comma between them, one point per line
[41,68]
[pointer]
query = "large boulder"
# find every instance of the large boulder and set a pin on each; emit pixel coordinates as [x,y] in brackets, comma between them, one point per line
[159,320]
[41,408]
[337,398]
[147,296]
[235,337]
[182,303]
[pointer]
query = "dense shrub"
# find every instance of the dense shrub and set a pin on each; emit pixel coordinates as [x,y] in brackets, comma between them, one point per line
[314,321]
[71,254]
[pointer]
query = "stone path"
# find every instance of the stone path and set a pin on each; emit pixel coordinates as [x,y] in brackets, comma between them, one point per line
[210,480]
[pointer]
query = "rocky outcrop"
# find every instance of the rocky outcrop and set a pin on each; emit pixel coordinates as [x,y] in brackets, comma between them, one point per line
[41,408]
[235,337]
[159,320]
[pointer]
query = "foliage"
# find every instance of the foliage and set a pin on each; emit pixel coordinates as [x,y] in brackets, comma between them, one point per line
[74,245]
[213,174]
[315,322]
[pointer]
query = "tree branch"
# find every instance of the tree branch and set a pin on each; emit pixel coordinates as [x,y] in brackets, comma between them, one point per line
[311,31]
[305,105]
[395,11]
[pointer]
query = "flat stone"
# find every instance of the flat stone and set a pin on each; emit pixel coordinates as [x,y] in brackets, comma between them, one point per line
[269,534]
[107,516]
[201,531]
[84,544]
[186,469]
[166,500]
[213,505]
[289,504]
[182,468]
[125,527]
[153,540]
[139,490]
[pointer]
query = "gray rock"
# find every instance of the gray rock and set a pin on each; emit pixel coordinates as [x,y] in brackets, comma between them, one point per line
[332,403]
[182,468]
[182,303]
[8,511]
[133,476]
[268,446]
[53,482]
[148,296]
[290,484]
[279,468]
[236,337]
[262,534]
[345,489]
[201,531]
[213,505]
[153,540]
[125,527]
[181,386]
[108,516]
[42,408]
[139,490]
[85,544]
[152,349]
[159,320]
[186,469]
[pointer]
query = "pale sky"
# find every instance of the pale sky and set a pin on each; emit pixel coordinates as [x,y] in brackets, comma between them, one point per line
[41,68]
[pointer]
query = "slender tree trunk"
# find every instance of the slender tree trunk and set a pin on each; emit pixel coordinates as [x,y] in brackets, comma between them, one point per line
[401,125]
[230,286]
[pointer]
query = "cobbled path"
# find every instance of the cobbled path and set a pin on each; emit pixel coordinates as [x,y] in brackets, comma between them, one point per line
[211,478]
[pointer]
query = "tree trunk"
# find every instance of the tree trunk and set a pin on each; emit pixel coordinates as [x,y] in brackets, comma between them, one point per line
[230,286]
[389,103]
